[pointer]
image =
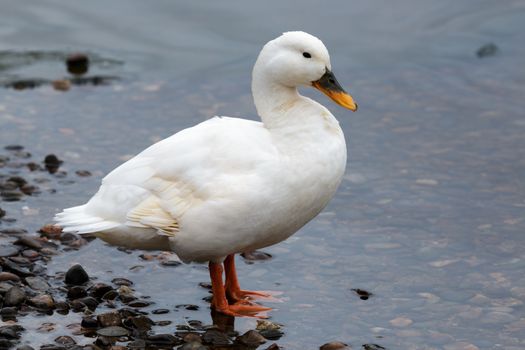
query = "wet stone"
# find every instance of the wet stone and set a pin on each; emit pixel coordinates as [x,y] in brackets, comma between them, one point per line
[363,294]
[8,276]
[11,196]
[140,323]
[8,250]
[65,340]
[274,346]
[256,255]
[373,347]
[30,242]
[76,275]
[11,331]
[138,303]
[252,338]
[77,64]
[43,302]
[52,347]
[487,50]
[51,231]
[121,282]
[13,231]
[215,337]
[334,345]
[76,292]
[160,311]
[90,302]
[14,296]
[14,147]
[30,254]
[30,190]
[83,173]
[8,311]
[2,213]
[109,319]
[25,347]
[37,283]
[191,337]
[52,163]
[189,307]
[113,331]
[89,322]
[271,334]
[98,290]
[18,180]
[15,268]
[62,307]
[163,340]
[137,344]
[193,346]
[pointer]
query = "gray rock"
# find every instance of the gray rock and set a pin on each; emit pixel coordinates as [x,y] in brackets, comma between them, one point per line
[14,296]
[42,301]
[37,283]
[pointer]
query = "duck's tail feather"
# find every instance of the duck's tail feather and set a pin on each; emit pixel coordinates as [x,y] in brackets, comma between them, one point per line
[77,220]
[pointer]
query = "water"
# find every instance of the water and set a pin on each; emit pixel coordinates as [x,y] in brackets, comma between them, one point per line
[430,215]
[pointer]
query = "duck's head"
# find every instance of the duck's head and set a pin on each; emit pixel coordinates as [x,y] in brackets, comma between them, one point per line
[299,59]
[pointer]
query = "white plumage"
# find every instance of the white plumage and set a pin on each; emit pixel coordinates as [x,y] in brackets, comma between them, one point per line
[230,185]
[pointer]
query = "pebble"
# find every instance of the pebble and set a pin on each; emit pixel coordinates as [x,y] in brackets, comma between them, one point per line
[108,319]
[61,84]
[37,283]
[42,301]
[51,231]
[13,231]
[113,331]
[83,173]
[25,347]
[193,346]
[52,163]
[256,255]
[2,213]
[251,338]
[30,242]
[76,292]
[160,311]
[401,322]
[98,290]
[77,64]
[8,276]
[334,345]
[8,250]
[89,322]
[76,275]
[373,347]
[215,337]
[363,294]
[487,50]
[14,296]
[119,281]
[162,340]
[65,340]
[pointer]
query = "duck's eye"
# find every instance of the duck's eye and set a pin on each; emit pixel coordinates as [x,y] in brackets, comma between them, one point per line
[307,55]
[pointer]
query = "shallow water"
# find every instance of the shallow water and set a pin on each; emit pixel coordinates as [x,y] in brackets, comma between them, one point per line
[431,213]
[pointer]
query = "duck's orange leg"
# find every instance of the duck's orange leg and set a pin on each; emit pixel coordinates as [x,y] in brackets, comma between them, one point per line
[233,289]
[219,301]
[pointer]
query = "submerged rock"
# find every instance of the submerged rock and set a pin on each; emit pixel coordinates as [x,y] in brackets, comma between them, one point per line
[113,331]
[334,345]
[251,338]
[487,50]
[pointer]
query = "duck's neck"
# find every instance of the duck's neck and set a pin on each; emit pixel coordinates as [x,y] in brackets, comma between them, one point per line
[273,100]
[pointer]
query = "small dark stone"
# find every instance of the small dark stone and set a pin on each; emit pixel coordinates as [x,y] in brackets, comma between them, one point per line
[8,250]
[11,331]
[193,346]
[32,166]
[252,338]
[140,323]
[163,323]
[11,196]
[119,281]
[160,311]
[334,345]
[52,163]
[90,302]
[2,213]
[8,311]
[205,285]
[13,231]
[52,347]
[108,319]
[256,255]
[83,173]
[487,50]
[37,283]
[138,303]
[137,344]
[110,295]
[77,64]
[62,307]
[8,276]
[113,331]
[363,294]
[18,180]
[14,296]
[15,268]
[373,347]
[89,322]
[274,346]
[76,292]
[271,334]
[30,242]
[98,290]
[30,190]
[65,340]
[161,340]
[30,254]
[215,337]
[76,275]
[14,147]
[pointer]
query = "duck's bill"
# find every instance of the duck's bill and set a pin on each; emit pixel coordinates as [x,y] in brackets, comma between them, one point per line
[329,85]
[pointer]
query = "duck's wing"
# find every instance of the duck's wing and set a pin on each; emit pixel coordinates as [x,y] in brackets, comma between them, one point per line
[155,188]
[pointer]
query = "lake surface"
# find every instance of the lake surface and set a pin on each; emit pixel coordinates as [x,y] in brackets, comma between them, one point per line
[430,217]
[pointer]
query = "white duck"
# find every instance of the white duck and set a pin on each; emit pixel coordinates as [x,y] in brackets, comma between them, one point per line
[230,185]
